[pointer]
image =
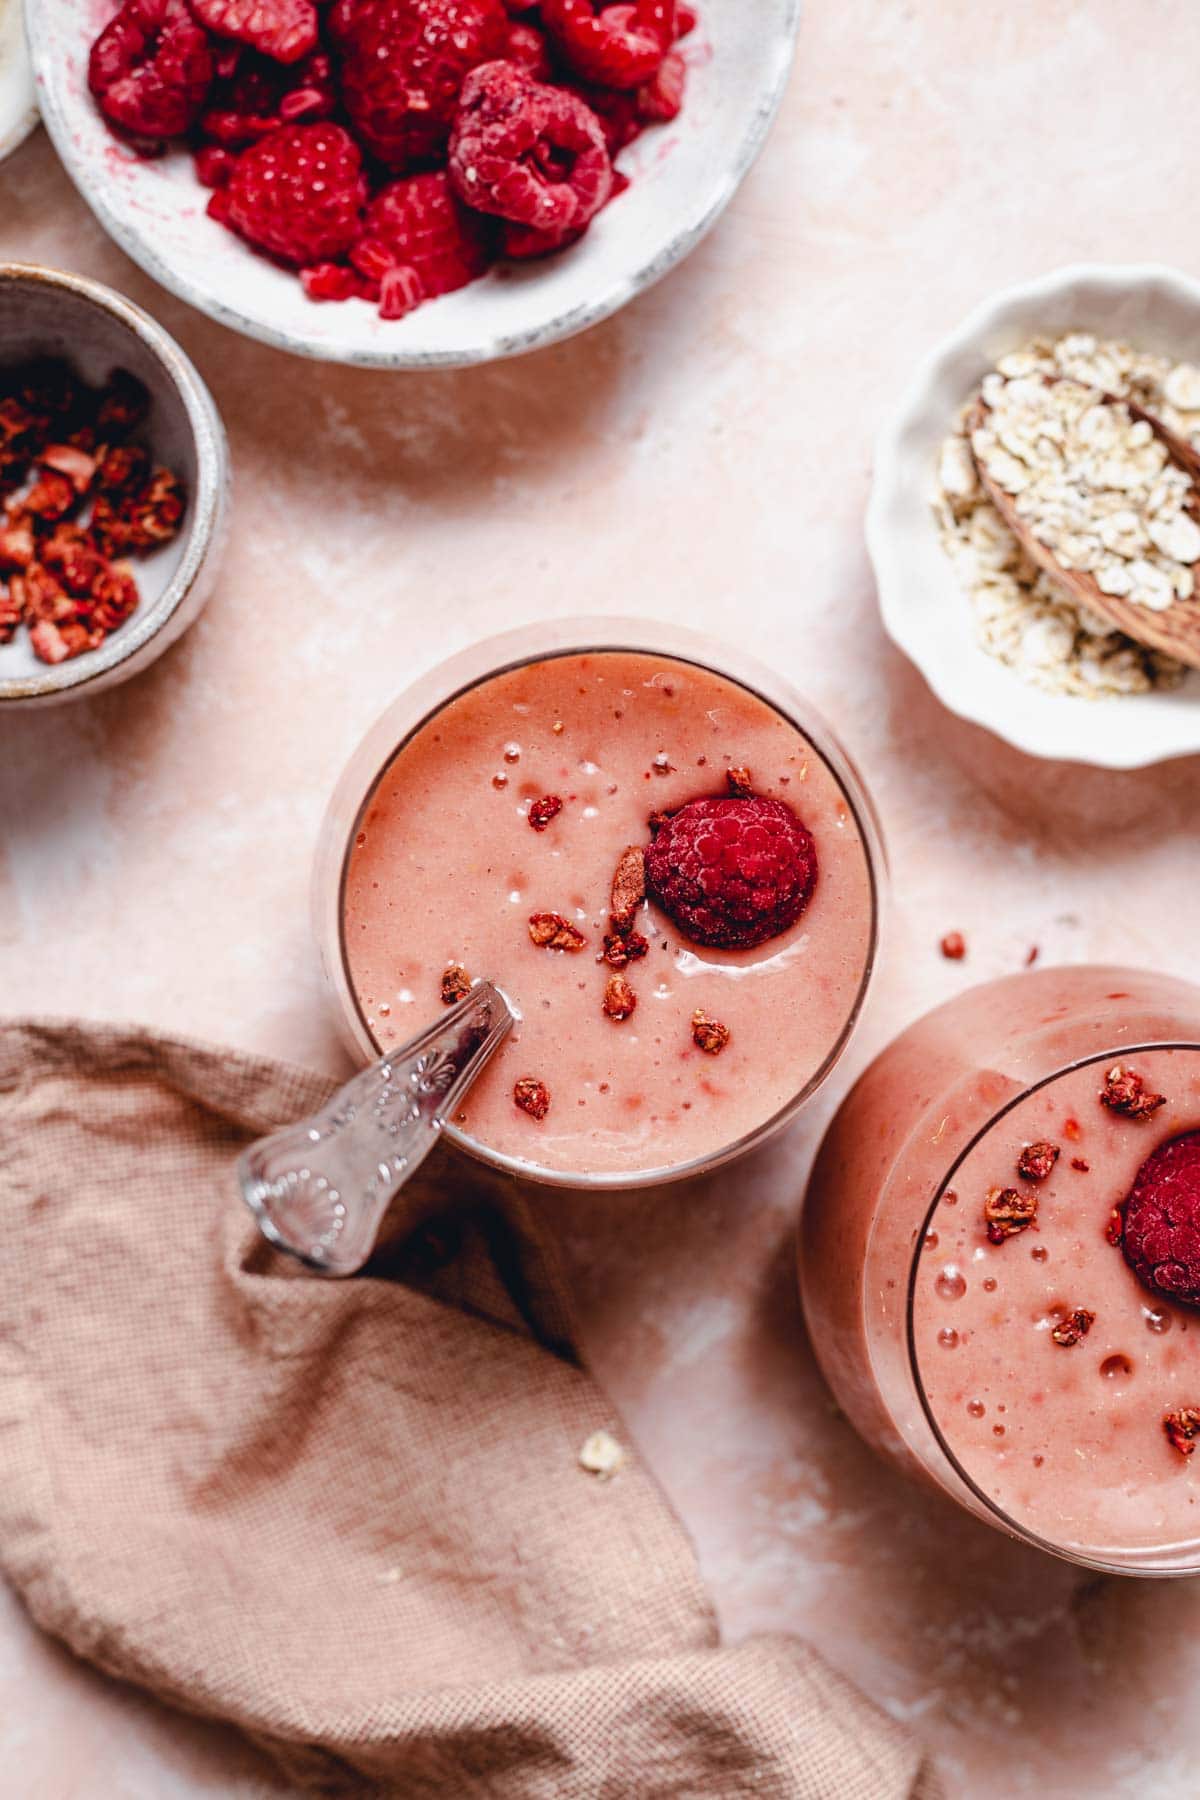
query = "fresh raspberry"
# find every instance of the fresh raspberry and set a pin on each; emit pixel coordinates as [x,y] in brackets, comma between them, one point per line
[403,67]
[660,99]
[299,194]
[419,223]
[284,29]
[331,281]
[260,95]
[150,69]
[614,46]
[1161,1236]
[526,45]
[529,153]
[732,872]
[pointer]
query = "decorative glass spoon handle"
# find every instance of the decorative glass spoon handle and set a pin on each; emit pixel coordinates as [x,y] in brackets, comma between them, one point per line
[320,1188]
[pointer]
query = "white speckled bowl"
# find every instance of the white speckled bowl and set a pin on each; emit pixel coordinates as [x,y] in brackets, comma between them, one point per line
[926,612]
[18,106]
[684,174]
[47,312]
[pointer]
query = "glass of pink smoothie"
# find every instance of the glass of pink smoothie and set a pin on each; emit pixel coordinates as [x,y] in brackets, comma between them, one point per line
[975,1269]
[477,833]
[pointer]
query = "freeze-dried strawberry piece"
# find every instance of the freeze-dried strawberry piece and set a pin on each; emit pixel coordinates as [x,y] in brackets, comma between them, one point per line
[57,643]
[1006,1212]
[123,467]
[150,69]
[1161,1220]
[708,1034]
[1182,1428]
[299,193]
[67,459]
[614,46]
[1125,1092]
[1072,1329]
[52,496]
[620,1001]
[456,984]
[532,1096]
[543,811]
[283,29]
[527,152]
[420,223]
[732,872]
[16,544]
[403,63]
[1036,1161]
[41,596]
[621,948]
[115,596]
[550,931]
[142,518]
[10,615]
[71,555]
[260,96]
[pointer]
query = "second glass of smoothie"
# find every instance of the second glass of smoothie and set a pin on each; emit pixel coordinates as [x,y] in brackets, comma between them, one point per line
[496,823]
[1000,1260]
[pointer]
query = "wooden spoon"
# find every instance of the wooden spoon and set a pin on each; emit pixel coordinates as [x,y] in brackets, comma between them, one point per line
[1175,631]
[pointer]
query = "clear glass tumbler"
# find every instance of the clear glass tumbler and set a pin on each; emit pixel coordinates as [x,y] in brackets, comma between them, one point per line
[1007,1352]
[444,780]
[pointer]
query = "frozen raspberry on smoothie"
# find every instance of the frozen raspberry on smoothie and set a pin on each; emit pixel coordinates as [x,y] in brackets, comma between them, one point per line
[1161,1220]
[732,873]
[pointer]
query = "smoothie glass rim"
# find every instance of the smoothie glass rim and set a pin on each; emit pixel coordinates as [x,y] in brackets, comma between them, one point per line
[488,658]
[1101,1562]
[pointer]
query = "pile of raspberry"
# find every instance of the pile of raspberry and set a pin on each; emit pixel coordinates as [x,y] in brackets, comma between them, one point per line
[78,497]
[392,150]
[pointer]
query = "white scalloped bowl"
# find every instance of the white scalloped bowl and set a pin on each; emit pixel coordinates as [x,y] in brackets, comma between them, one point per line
[684,175]
[925,610]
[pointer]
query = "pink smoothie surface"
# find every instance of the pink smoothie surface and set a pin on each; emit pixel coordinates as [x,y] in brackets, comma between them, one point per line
[446,868]
[1067,1440]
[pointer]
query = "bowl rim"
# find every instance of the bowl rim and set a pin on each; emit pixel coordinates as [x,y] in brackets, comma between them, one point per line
[498,347]
[209,499]
[886,553]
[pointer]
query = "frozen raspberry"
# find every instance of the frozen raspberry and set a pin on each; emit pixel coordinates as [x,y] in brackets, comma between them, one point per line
[331,281]
[732,872]
[150,69]
[1161,1236]
[260,95]
[661,98]
[613,46]
[403,66]
[284,29]
[532,154]
[299,194]
[526,45]
[419,223]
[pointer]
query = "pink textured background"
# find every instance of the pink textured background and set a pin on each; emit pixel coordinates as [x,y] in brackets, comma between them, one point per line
[156,842]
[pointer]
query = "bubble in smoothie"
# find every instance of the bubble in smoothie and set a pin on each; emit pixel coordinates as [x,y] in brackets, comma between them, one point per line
[1156,1320]
[951,1284]
[948,1338]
